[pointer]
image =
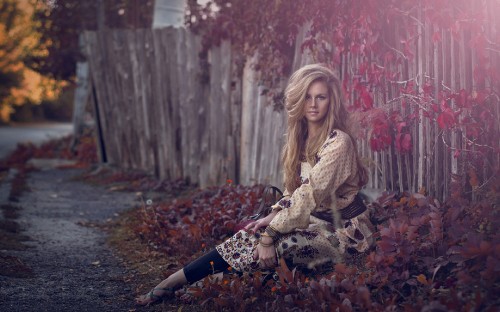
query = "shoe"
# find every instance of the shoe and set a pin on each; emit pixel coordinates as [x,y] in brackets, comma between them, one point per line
[151,298]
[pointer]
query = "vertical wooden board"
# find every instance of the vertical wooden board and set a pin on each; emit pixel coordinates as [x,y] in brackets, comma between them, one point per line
[305,57]
[427,138]
[197,101]
[205,171]
[248,104]
[493,32]
[264,145]
[146,73]
[93,58]
[390,183]
[420,60]
[403,76]
[453,86]
[161,100]
[235,119]
[104,96]
[213,132]
[152,106]
[412,162]
[110,43]
[280,124]
[229,162]
[225,110]
[271,141]
[135,126]
[173,105]
[258,134]
[219,112]
[126,127]
[236,94]
[191,140]
[184,108]
[142,119]
[447,78]
[163,85]
[217,126]
[95,62]
[437,75]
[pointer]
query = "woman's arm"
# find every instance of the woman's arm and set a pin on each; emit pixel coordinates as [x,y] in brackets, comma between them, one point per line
[336,164]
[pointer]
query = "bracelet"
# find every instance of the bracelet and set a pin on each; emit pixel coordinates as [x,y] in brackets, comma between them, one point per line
[272,232]
[266,245]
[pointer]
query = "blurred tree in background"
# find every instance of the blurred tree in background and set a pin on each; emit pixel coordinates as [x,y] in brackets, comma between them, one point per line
[59,23]
[13,43]
[39,49]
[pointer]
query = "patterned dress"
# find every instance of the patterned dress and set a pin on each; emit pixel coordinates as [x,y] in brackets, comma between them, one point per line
[305,241]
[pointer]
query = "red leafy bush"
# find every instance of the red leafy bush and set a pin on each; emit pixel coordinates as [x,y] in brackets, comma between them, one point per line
[84,153]
[428,255]
[188,225]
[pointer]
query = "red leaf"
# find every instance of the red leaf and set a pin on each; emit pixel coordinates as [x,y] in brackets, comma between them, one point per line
[367,99]
[386,246]
[435,108]
[406,143]
[446,119]
[436,37]
[400,126]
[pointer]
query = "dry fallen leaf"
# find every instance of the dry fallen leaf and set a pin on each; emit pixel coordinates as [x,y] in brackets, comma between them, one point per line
[421,278]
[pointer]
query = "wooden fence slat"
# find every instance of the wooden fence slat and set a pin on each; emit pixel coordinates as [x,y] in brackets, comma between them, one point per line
[248,104]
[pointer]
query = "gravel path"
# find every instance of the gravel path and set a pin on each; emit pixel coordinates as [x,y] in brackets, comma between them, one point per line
[74,268]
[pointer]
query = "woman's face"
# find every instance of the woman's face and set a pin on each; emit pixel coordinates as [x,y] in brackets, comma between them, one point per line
[317,103]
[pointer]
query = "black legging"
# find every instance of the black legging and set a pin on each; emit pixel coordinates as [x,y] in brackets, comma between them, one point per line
[202,267]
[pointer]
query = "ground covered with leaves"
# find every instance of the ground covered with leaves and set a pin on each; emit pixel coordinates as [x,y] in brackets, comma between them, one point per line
[429,255]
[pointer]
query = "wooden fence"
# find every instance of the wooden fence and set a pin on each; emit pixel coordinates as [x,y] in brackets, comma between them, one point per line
[162,111]
[449,64]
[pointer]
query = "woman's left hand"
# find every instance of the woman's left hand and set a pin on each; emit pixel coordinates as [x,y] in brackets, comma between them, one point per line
[266,255]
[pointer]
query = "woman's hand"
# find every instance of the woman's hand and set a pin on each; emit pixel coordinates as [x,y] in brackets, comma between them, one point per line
[254,226]
[266,254]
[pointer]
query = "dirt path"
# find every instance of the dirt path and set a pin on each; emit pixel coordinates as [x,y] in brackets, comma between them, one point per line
[74,269]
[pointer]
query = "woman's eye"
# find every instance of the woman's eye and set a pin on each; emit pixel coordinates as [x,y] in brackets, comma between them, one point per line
[321,97]
[308,97]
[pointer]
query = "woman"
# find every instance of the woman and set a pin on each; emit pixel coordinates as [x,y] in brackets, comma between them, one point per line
[320,217]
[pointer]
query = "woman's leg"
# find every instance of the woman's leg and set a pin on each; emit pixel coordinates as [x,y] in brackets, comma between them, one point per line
[209,263]
[164,288]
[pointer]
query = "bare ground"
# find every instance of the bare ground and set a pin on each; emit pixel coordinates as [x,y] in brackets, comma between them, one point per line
[66,263]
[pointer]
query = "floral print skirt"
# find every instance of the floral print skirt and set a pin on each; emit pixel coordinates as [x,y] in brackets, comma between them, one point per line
[309,249]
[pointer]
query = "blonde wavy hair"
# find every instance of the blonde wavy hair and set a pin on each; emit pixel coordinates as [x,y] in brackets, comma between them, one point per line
[295,148]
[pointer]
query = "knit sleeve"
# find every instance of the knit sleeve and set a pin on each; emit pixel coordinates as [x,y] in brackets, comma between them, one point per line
[336,162]
[277,206]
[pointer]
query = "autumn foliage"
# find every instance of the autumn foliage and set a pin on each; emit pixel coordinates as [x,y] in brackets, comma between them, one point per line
[84,152]
[428,255]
